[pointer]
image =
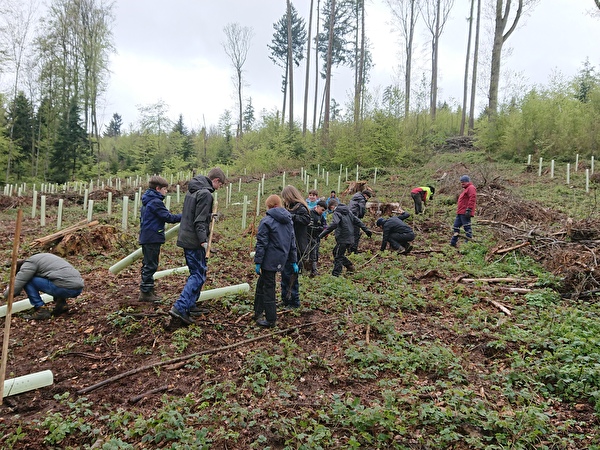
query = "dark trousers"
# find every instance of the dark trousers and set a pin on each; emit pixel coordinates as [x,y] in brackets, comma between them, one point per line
[401,239]
[462,220]
[151,254]
[314,244]
[339,259]
[196,262]
[418,203]
[354,246]
[264,297]
[290,288]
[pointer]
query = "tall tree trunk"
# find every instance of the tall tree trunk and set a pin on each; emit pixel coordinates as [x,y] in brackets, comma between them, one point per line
[434,61]
[360,60]
[328,69]
[285,85]
[409,47]
[290,62]
[314,127]
[466,81]
[501,21]
[307,77]
[474,77]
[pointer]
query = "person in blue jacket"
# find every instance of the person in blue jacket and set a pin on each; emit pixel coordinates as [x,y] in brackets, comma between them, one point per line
[397,233]
[275,248]
[153,216]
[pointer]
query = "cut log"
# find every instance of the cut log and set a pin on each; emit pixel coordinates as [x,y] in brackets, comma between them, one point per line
[500,306]
[52,237]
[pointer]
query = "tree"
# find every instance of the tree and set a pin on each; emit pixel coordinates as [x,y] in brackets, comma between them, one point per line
[294,32]
[249,118]
[475,62]
[236,47]
[114,126]
[466,78]
[405,13]
[597,3]
[20,117]
[435,13]
[185,148]
[71,148]
[307,75]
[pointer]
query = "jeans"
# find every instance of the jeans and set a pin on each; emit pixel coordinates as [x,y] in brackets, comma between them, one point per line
[290,288]
[39,284]
[462,220]
[264,298]
[151,254]
[196,262]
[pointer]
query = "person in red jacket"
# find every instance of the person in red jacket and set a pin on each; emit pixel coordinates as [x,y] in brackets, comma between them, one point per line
[465,209]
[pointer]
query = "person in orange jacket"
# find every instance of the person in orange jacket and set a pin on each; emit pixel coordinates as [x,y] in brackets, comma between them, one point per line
[465,209]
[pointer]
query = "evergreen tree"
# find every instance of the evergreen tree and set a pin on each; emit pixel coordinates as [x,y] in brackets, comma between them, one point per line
[186,146]
[71,147]
[249,118]
[114,126]
[20,118]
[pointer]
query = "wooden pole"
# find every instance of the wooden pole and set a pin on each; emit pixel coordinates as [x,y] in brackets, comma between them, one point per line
[212,226]
[9,301]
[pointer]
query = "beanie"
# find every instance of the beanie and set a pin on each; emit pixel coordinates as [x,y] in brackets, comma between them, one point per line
[465,179]
[380,222]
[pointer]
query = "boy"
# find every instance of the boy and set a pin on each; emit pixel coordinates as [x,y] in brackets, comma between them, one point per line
[343,223]
[153,216]
[315,227]
[313,198]
[358,207]
[275,247]
[397,233]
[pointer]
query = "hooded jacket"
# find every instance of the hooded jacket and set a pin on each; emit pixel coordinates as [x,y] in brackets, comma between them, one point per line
[301,219]
[358,205]
[153,216]
[467,200]
[197,213]
[423,191]
[394,229]
[343,224]
[50,267]
[275,241]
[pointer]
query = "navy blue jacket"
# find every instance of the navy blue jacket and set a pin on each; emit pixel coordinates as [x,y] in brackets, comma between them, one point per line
[153,216]
[275,240]
[343,224]
[197,213]
[394,229]
[358,205]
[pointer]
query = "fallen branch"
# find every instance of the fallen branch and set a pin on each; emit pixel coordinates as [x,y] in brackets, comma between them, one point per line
[500,306]
[193,355]
[510,249]
[490,280]
[137,398]
[52,237]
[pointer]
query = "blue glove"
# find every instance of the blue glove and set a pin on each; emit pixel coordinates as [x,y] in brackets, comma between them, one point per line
[295,267]
[257,269]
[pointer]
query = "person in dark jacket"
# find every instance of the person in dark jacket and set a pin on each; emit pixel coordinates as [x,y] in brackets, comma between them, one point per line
[465,209]
[358,207]
[48,273]
[294,202]
[153,216]
[275,248]
[193,237]
[315,227]
[421,195]
[343,224]
[397,233]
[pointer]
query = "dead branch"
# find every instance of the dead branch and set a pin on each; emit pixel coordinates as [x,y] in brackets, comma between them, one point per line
[492,280]
[193,355]
[52,237]
[137,398]
[500,306]
[510,249]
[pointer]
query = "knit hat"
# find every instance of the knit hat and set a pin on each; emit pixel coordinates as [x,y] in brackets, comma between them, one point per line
[380,222]
[465,179]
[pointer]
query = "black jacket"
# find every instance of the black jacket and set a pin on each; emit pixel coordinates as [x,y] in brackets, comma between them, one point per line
[343,224]
[358,205]
[197,213]
[317,224]
[394,229]
[301,219]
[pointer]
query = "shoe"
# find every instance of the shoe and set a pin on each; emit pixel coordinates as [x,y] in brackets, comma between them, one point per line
[41,313]
[408,249]
[350,268]
[290,306]
[265,323]
[196,311]
[400,249]
[149,297]
[453,244]
[60,307]
[184,317]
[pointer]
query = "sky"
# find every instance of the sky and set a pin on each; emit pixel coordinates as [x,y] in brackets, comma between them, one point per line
[173,52]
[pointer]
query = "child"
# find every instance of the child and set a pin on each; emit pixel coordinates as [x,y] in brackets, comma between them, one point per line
[332,196]
[397,233]
[313,198]
[315,227]
[343,223]
[275,248]
[153,215]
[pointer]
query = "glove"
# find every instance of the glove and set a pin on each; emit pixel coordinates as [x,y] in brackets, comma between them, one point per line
[295,267]
[257,269]
[369,233]
[468,212]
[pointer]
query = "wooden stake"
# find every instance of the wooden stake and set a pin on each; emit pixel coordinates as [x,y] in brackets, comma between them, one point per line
[9,302]
[212,226]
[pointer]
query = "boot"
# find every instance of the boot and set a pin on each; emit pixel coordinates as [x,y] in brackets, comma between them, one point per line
[313,270]
[41,313]
[149,297]
[60,307]
[350,268]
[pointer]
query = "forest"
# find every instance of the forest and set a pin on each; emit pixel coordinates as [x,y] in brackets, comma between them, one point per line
[57,69]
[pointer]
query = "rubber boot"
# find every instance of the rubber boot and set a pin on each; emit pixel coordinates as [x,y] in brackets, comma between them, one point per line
[149,297]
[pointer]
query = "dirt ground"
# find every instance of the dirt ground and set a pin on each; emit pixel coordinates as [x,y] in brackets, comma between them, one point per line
[86,346]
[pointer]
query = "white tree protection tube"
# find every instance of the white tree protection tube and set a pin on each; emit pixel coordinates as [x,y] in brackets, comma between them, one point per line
[133,257]
[23,305]
[36,380]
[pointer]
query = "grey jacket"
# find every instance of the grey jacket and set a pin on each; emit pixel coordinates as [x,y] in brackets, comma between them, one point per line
[343,224]
[51,267]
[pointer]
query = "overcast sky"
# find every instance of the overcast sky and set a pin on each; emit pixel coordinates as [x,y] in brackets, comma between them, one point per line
[173,52]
